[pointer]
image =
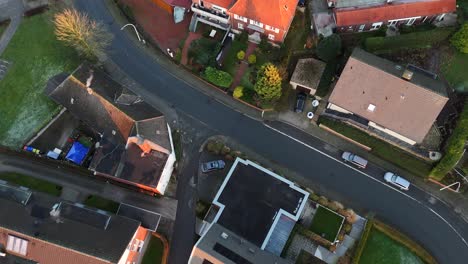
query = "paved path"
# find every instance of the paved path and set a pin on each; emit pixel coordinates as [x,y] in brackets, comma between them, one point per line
[191,37]
[243,66]
[315,163]
[13,10]
[83,182]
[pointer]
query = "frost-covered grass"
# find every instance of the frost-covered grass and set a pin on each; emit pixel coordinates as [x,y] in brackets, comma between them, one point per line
[36,56]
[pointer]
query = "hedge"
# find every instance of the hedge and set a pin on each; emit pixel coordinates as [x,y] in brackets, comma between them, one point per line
[407,242]
[363,241]
[423,39]
[217,77]
[454,147]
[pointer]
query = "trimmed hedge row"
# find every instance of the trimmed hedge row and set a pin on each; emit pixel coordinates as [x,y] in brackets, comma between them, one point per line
[423,39]
[454,147]
[363,241]
[407,242]
[217,77]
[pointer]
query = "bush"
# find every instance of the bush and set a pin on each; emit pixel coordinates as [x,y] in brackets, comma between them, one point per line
[460,39]
[314,197]
[454,147]
[335,206]
[268,85]
[225,150]
[240,55]
[347,228]
[252,59]
[238,92]
[329,48]
[323,201]
[204,51]
[211,146]
[217,77]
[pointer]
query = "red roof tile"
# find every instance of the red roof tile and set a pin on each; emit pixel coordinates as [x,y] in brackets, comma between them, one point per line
[356,16]
[276,13]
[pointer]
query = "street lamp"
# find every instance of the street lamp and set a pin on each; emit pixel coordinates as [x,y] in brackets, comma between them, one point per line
[136,31]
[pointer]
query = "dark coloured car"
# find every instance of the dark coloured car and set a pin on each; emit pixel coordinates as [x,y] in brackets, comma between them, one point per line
[212,166]
[300,102]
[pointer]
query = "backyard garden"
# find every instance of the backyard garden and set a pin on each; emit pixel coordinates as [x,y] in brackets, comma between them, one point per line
[35,55]
[154,251]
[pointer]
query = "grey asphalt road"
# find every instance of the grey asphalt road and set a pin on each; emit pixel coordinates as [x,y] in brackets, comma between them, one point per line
[435,226]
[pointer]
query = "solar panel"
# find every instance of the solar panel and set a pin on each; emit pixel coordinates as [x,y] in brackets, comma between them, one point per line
[79,213]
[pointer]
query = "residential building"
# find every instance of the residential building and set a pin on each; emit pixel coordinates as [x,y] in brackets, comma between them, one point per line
[38,228]
[365,15]
[252,216]
[307,74]
[400,103]
[134,143]
[270,19]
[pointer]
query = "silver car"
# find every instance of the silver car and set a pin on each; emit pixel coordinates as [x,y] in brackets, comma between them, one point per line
[396,180]
[212,165]
[354,159]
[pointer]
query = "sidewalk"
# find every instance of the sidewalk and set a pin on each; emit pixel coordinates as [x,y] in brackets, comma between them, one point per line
[12,9]
[459,202]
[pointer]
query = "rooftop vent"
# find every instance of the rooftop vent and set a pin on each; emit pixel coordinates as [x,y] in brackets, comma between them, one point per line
[90,79]
[407,75]
[72,100]
[371,107]
[224,235]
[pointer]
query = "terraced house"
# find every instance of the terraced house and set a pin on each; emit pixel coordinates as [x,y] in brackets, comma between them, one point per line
[270,19]
[365,15]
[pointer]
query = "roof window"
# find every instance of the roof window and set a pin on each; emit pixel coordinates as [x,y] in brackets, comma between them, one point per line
[371,107]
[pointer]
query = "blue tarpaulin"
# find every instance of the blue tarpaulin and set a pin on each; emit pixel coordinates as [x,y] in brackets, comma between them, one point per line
[77,153]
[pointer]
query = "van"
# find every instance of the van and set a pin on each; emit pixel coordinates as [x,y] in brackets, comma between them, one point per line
[354,159]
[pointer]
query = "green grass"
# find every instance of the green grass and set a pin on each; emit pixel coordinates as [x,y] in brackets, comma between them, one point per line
[154,251]
[454,70]
[416,40]
[230,61]
[382,249]
[36,56]
[101,203]
[298,31]
[32,183]
[381,148]
[326,223]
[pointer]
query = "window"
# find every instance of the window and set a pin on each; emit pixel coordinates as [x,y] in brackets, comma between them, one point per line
[271,37]
[276,30]
[240,26]
[255,23]
[411,21]
[376,26]
[140,245]
[241,18]
[217,8]
[17,245]
[361,27]
[371,107]
[136,245]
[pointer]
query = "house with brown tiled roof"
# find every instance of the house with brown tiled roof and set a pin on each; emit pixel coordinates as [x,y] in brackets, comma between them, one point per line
[399,103]
[134,143]
[365,15]
[38,228]
[270,19]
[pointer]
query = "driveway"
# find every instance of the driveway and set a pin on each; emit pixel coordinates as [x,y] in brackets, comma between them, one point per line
[435,226]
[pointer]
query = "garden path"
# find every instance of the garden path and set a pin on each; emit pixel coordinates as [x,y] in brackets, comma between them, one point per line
[243,66]
[191,37]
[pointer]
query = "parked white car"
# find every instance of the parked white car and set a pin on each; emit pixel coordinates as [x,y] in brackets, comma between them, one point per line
[354,159]
[396,180]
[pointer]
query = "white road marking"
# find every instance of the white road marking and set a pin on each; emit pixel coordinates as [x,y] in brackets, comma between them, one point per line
[367,175]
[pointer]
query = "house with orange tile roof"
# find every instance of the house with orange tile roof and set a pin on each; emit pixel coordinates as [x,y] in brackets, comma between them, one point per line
[366,15]
[39,228]
[270,19]
[398,103]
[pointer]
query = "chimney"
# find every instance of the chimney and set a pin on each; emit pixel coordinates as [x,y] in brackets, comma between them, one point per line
[407,75]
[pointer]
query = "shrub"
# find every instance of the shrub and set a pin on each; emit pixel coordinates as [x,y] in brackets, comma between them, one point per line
[329,48]
[268,85]
[225,150]
[323,201]
[240,55]
[217,77]
[314,197]
[460,39]
[334,205]
[204,51]
[347,228]
[238,92]
[351,216]
[252,59]
[454,147]
[211,146]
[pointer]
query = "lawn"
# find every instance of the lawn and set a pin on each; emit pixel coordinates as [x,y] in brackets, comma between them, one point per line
[154,252]
[381,148]
[326,223]
[36,56]
[382,249]
[101,203]
[298,31]
[416,40]
[32,183]
[454,70]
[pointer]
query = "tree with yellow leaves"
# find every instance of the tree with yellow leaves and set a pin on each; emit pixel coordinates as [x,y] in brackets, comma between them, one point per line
[87,36]
[268,85]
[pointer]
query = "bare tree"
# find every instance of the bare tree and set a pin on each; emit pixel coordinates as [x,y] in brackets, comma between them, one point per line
[88,37]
